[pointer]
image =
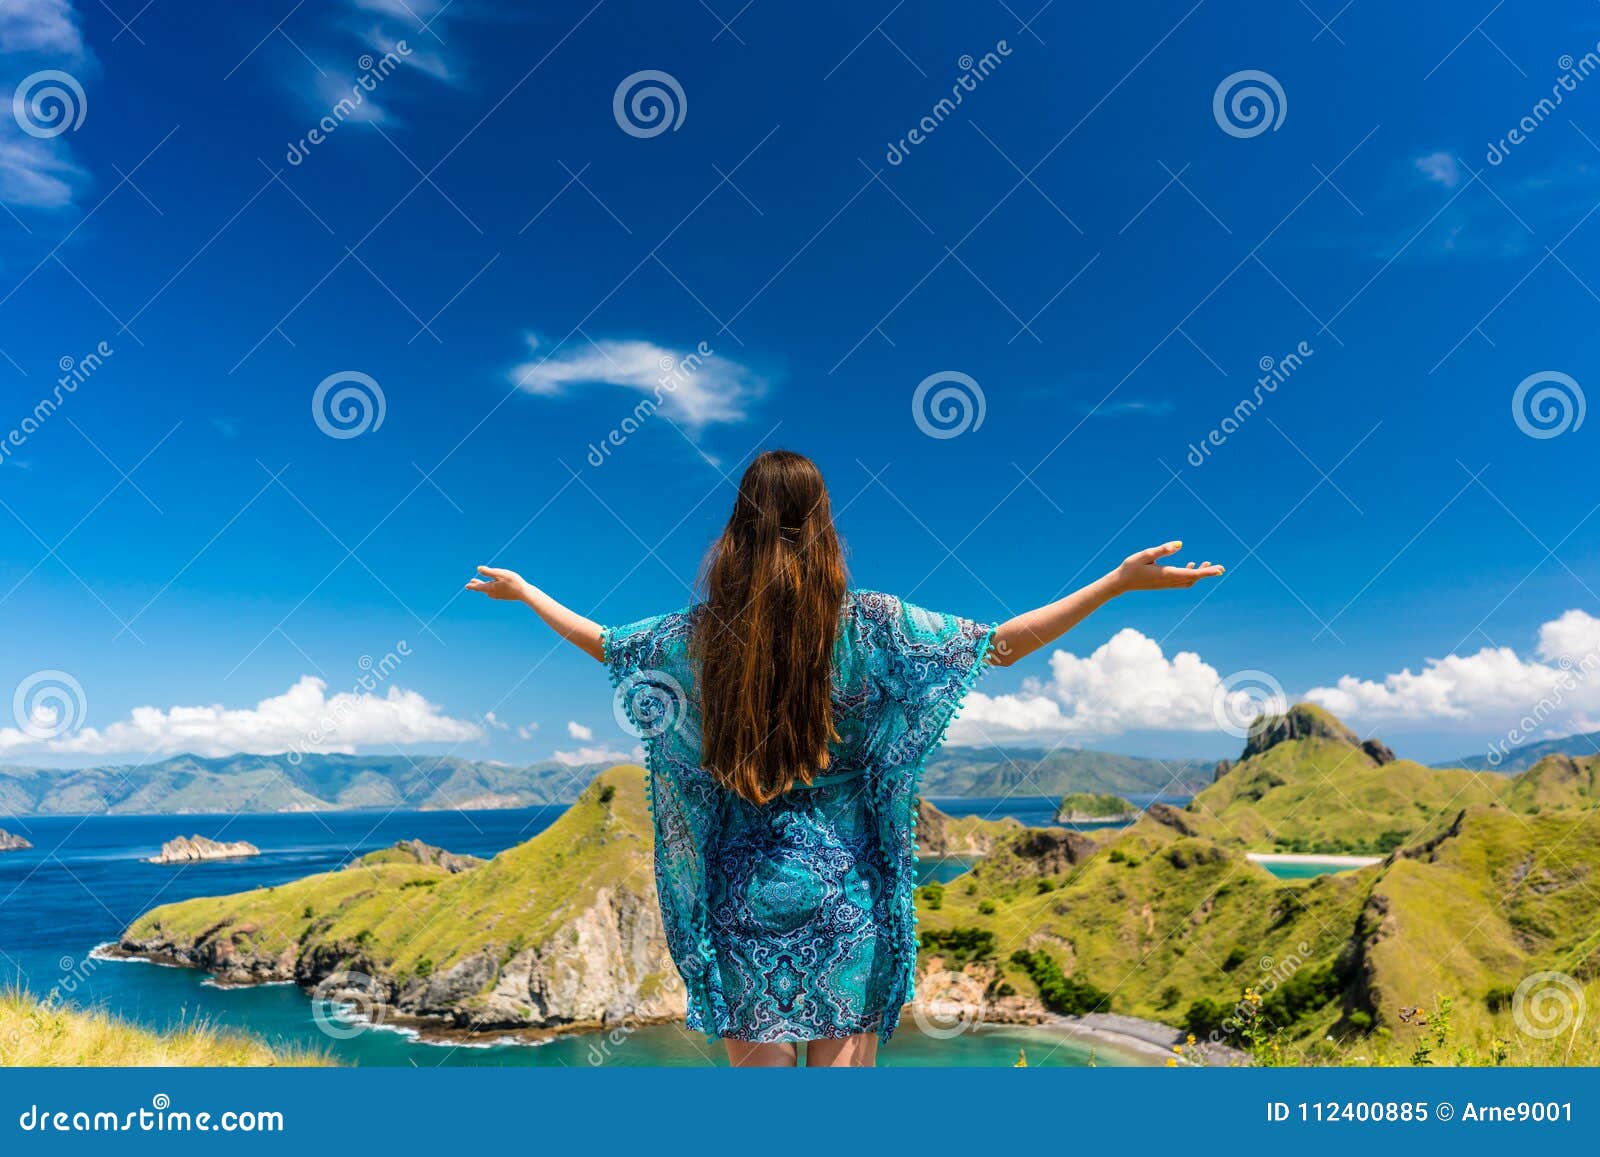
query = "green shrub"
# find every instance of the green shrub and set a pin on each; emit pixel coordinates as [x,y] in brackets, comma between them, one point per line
[1207,1018]
[1061,993]
[960,945]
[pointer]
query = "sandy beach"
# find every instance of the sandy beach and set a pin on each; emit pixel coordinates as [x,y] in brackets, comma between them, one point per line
[1330,861]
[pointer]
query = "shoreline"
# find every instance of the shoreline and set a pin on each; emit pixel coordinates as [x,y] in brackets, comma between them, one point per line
[1143,1037]
[1330,860]
[1128,1034]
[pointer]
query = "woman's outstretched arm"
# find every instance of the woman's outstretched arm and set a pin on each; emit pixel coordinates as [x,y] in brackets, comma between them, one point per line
[569,624]
[1031,630]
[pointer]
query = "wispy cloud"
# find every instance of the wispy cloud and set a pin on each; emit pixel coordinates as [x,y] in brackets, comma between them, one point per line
[1441,168]
[693,387]
[587,755]
[46,27]
[364,32]
[579,731]
[35,174]
[1132,407]
[39,172]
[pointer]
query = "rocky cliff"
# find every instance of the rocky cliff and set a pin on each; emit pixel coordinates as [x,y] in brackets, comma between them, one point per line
[556,934]
[191,849]
[11,843]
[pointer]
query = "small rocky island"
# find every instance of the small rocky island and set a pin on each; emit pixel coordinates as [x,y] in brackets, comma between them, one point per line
[192,849]
[1086,808]
[11,843]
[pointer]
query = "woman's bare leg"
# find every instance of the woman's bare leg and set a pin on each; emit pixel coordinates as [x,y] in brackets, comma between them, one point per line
[749,1055]
[851,1052]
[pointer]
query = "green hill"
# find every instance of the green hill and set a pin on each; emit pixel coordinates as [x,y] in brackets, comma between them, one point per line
[1305,783]
[1081,807]
[1176,927]
[1489,882]
[559,932]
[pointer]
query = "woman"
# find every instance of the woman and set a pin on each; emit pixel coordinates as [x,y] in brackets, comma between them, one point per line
[786,719]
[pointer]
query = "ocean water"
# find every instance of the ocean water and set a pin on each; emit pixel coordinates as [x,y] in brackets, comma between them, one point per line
[84,881]
[1039,811]
[1304,870]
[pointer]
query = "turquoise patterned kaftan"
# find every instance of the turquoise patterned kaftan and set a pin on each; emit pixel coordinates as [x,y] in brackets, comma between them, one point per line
[794,921]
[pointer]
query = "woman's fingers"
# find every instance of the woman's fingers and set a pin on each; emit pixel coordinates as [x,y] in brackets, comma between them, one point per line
[494,577]
[1156,553]
[1189,575]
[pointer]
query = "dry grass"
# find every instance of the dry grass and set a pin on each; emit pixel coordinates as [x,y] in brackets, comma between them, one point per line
[33,1034]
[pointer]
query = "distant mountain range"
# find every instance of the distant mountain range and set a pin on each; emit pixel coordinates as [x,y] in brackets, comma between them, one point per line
[188,784]
[1524,757]
[999,771]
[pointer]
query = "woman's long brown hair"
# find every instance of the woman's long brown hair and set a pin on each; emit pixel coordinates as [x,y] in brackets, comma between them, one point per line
[763,639]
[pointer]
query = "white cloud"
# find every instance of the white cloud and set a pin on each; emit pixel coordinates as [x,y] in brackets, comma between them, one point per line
[1127,684]
[305,718]
[693,387]
[40,26]
[1439,167]
[1489,686]
[38,172]
[586,755]
[526,730]
[579,731]
[35,173]
[494,721]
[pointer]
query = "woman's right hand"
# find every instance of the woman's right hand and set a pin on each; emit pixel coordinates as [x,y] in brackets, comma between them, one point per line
[500,584]
[1143,571]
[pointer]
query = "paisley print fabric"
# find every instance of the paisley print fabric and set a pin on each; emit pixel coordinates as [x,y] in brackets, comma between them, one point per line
[794,921]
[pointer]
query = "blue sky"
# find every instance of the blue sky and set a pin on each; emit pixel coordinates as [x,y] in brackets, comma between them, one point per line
[1081,236]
